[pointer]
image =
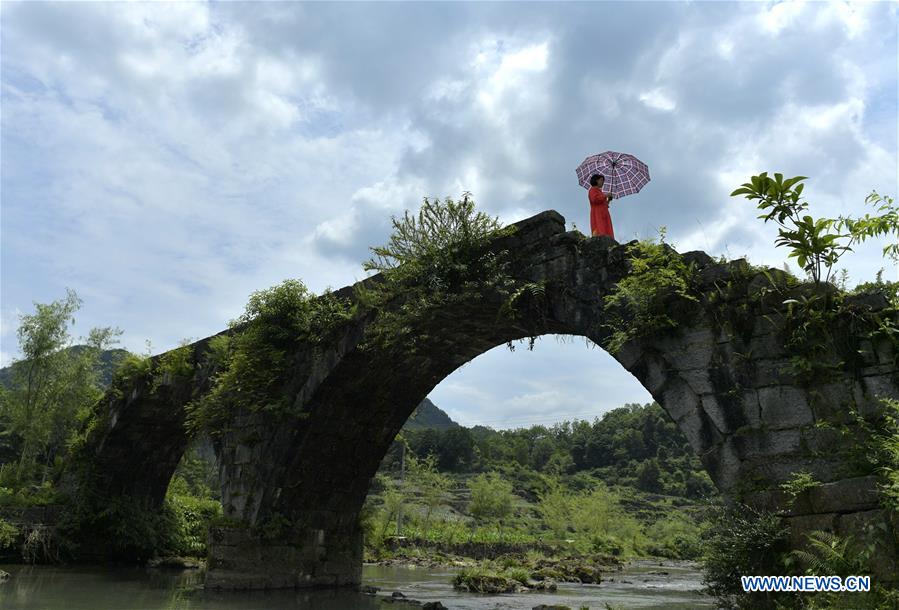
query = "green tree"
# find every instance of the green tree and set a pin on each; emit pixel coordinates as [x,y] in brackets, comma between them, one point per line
[648,476]
[599,519]
[379,519]
[54,384]
[491,499]
[432,485]
[455,449]
[883,224]
[557,507]
[818,243]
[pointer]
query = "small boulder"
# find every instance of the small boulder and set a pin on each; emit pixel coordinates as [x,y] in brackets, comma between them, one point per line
[434,606]
[4,576]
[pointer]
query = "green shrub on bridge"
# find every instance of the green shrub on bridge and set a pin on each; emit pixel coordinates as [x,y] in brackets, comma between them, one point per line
[433,259]
[442,234]
[254,360]
[660,284]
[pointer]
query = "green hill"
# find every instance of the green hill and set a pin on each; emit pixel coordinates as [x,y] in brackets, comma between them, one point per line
[429,416]
[109,360]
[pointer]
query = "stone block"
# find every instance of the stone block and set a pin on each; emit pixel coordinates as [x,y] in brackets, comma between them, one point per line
[698,380]
[867,301]
[868,403]
[768,345]
[230,536]
[848,495]
[724,465]
[772,471]
[685,356]
[218,562]
[767,443]
[772,372]
[749,406]
[699,258]
[232,580]
[629,354]
[679,400]
[875,370]
[765,499]
[551,269]
[880,386]
[827,400]
[801,526]
[886,353]
[700,431]
[727,416]
[874,526]
[326,580]
[784,407]
[867,352]
[771,322]
[823,440]
[655,374]
[775,499]
[715,412]
[713,274]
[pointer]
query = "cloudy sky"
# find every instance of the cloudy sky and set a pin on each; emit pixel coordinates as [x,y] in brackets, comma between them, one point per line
[165,160]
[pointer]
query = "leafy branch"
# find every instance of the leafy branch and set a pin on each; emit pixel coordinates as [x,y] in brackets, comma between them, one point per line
[818,243]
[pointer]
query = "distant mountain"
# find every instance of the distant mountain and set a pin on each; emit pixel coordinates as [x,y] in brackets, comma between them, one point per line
[429,415]
[109,360]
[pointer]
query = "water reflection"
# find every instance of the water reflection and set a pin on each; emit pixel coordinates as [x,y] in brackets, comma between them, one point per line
[94,588]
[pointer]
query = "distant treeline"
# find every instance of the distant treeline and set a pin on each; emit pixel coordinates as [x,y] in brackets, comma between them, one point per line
[634,445]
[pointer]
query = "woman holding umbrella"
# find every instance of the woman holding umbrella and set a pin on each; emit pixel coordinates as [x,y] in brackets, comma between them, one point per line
[609,175]
[600,219]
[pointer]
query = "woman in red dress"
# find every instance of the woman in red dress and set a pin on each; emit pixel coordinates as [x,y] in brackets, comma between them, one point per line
[600,220]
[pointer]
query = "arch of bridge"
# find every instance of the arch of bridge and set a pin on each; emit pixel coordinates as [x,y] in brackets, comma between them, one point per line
[748,420]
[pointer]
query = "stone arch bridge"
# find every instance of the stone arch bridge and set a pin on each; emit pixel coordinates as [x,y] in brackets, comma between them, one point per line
[724,382]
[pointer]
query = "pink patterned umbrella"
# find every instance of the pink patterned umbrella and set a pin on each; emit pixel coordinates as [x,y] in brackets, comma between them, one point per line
[625,174]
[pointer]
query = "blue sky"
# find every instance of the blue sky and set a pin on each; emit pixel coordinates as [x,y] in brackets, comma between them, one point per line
[165,160]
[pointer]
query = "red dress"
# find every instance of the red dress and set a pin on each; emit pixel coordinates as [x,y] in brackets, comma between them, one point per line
[600,221]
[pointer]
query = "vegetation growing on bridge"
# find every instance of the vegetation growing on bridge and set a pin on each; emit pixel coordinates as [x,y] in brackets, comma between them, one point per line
[655,297]
[250,366]
[433,259]
[661,287]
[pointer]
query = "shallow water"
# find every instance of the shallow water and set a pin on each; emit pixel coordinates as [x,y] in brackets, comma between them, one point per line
[93,588]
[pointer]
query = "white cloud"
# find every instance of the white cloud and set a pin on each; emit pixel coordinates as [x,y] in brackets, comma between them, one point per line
[658,100]
[726,47]
[179,156]
[339,230]
[509,81]
[780,15]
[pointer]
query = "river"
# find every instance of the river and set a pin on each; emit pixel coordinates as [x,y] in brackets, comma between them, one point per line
[639,585]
